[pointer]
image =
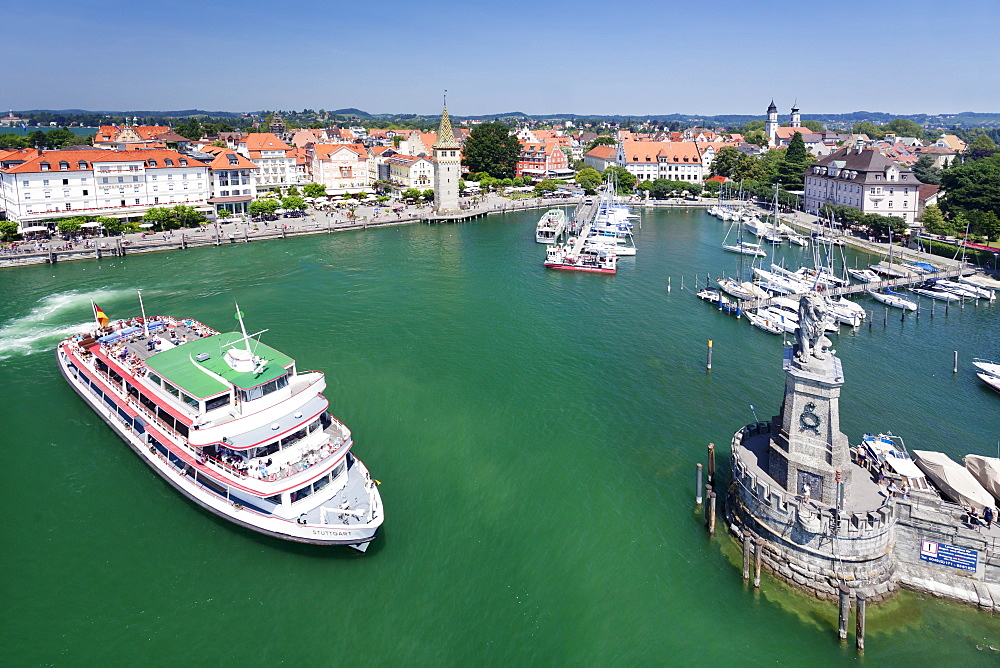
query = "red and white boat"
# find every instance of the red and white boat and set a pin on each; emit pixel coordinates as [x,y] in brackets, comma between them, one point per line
[229,422]
[597,260]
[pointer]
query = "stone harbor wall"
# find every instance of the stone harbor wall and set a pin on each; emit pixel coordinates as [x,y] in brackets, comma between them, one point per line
[808,545]
[938,553]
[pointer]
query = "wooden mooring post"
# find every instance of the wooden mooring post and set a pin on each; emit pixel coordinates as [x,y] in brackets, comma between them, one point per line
[711,463]
[708,495]
[697,486]
[955,366]
[710,354]
[845,612]
[860,629]
[758,554]
[747,547]
[711,514]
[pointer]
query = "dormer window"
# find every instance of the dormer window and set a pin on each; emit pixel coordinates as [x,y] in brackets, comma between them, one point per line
[44,166]
[152,163]
[184,163]
[168,162]
[81,165]
[63,165]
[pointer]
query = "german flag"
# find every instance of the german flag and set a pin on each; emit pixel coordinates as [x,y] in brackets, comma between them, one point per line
[102,320]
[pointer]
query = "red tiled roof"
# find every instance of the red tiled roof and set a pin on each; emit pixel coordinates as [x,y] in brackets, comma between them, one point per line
[74,158]
[222,160]
[264,141]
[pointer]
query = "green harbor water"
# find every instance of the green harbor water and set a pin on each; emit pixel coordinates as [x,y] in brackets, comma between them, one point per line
[535,433]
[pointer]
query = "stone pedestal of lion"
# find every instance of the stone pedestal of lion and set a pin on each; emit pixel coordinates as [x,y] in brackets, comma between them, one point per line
[808,449]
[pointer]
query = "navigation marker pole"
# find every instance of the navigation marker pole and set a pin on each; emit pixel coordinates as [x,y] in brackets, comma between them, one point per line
[142,309]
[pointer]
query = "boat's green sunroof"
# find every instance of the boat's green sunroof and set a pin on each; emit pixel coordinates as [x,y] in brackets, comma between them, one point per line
[179,366]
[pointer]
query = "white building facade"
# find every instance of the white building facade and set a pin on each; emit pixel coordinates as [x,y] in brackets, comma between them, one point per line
[41,185]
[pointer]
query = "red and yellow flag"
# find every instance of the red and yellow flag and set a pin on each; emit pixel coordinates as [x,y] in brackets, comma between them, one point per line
[102,320]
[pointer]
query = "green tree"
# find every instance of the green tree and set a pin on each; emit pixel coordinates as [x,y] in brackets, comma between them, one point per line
[712,187]
[725,161]
[588,179]
[904,127]
[411,193]
[925,171]
[982,142]
[112,225]
[492,149]
[984,224]
[292,190]
[603,140]
[9,141]
[752,168]
[293,202]
[625,178]
[314,190]
[161,218]
[752,126]
[757,137]
[934,221]
[972,186]
[188,216]
[8,230]
[70,225]
[865,128]
[428,195]
[793,165]
[545,186]
[815,126]
[264,207]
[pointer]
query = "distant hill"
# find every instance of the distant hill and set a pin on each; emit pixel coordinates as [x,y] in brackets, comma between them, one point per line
[184,113]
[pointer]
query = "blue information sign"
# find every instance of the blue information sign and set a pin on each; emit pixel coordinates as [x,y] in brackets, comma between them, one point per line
[949,555]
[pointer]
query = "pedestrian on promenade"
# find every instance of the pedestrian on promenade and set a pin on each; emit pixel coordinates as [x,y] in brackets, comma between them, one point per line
[988,517]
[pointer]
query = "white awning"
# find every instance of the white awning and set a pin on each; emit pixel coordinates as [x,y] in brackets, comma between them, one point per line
[91,224]
[146,225]
[35,228]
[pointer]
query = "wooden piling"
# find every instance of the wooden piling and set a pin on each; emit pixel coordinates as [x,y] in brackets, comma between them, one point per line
[711,463]
[953,370]
[845,612]
[746,556]
[668,284]
[711,514]
[697,487]
[860,629]
[757,552]
[885,318]
[708,495]
[710,354]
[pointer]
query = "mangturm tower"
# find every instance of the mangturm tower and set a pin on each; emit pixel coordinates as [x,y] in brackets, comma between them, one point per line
[771,126]
[447,167]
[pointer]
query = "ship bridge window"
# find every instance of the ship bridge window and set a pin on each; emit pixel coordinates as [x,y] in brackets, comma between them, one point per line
[153,378]
[292,439]
[190,401]
[301,493]
[264,450]
[216,402]
[263,390]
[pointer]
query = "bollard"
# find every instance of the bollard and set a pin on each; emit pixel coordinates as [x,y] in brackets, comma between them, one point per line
[711,514]
[711,463]
[932,308]
[668,284]
[860,630]
[953,370]
[746,556]
[710,354]
[845,612]
[697,487]
[758,549]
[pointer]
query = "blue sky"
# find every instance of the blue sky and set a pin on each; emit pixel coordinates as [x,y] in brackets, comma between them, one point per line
[584,57]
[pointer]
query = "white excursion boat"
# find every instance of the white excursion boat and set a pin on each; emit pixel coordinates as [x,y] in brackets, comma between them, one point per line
[894,299]
[550,226]
[588,259]
[229,422]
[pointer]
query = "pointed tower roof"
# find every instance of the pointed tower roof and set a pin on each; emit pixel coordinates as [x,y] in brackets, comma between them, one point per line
[446,136]
[773,107]
[795,106]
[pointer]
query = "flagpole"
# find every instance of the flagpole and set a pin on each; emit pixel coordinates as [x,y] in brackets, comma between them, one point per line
[93,309]
[145,325]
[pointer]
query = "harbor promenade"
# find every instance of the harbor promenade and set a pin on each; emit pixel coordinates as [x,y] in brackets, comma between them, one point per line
[315,222]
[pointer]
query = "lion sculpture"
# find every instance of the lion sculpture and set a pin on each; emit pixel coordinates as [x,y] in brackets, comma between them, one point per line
[810,340]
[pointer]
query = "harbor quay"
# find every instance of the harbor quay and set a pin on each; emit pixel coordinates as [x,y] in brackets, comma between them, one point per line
[829,519]
[247,231]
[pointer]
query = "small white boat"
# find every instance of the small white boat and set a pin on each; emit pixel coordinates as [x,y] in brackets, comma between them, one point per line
[942,295]
[847,312]
[745,290]
[714,296]
[966,290]
[746,248]
[550,226]
[590,260]
[892,270]
[763,323]
[783,320]
[865,275]
[797,239]
[893,299]
[989,367]
[992,381]
[608,245]
[889,453]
